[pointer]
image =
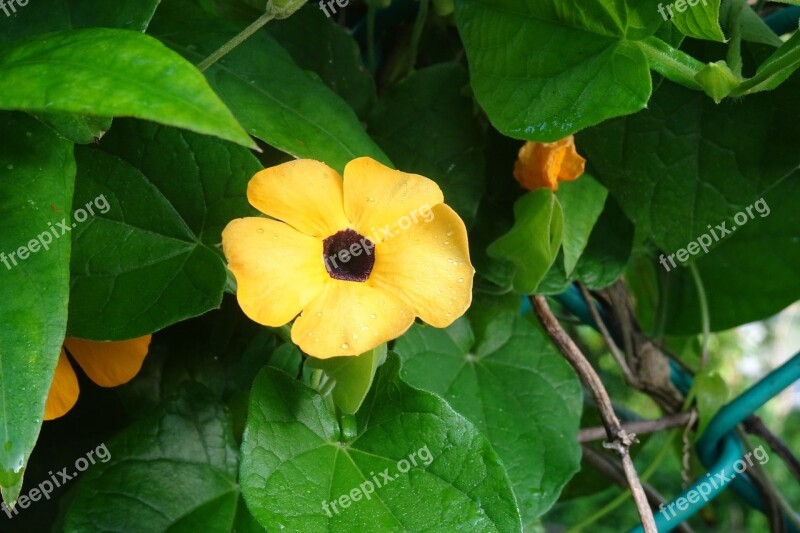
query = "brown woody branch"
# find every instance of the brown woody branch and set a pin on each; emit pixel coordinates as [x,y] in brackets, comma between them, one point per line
[638,426]
[619,440]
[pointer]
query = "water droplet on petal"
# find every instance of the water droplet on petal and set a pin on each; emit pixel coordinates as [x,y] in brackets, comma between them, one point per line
[260,230]
[345,346]
[449,233]
[373,316]
[461,280]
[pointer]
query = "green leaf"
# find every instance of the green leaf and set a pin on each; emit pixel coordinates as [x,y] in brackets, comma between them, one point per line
[318,44]
[352,376]
[426,125]
[119,73]
[81,129]
[152,258]
[582,202]
[752,27]
[532,244]
[501,372]
[602,261]
[544,69]
[610,246]
[749,276]
[37,172]
[700,20]
[174,470]
[55,15]
[294,462]
[671,166]
[775,70]
[274,99]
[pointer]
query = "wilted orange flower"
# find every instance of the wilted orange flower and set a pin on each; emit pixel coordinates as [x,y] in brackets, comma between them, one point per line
[108,364]
[545,164]
[357,258]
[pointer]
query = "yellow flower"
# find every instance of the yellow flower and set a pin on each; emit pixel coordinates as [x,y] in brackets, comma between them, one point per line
[359,257]
[108,364]
[545,164]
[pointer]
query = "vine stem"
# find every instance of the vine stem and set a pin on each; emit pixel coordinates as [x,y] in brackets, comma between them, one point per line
[704,314]
[416,33]
[672,63]
[619,440]
[223,50]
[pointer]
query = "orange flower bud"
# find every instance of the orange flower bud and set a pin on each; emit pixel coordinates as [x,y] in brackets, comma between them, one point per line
[545,164]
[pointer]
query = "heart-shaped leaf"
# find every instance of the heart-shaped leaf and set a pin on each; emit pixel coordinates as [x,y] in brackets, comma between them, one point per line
[174,470]
[544,69]
[299,472]
[502,372]
[151,257]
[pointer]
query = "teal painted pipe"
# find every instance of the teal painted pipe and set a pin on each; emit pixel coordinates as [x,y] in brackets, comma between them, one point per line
[702,491]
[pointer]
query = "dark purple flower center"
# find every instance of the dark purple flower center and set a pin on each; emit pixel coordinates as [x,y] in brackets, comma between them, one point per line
[348,256]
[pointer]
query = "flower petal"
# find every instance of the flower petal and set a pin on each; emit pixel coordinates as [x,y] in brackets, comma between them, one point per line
[278,270]
[109,363]
[63,389]
[376,196]
[304,193]
[350,318]
[545,164]
[428,267]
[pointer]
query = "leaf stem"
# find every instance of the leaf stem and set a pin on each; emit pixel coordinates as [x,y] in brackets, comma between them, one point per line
[416,33]
[704,314]
[371,11]
[316,378]
[223,50]
[734,58]
[671,63]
